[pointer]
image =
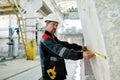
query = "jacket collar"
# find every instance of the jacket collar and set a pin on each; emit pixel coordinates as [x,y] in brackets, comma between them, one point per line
[48,33]
[51,35]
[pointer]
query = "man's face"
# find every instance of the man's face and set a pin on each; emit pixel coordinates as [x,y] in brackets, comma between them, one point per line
[51,27]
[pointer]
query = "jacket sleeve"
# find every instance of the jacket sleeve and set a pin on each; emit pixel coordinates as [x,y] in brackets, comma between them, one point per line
[71,46]
[60,50]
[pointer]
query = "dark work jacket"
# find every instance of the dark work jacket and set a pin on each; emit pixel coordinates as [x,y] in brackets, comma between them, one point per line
[53,52]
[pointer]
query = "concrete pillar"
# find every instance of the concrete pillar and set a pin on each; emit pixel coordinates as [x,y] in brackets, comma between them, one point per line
[93,38]
[108,12]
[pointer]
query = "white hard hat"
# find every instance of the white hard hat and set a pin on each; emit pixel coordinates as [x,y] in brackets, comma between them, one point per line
[52,17]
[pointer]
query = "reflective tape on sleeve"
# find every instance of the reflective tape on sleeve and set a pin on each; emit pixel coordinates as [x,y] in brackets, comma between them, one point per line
[62,51]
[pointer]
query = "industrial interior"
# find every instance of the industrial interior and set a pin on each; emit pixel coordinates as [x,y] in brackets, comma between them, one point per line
[93,23]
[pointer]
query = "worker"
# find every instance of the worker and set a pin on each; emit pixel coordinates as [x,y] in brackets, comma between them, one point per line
[53,52]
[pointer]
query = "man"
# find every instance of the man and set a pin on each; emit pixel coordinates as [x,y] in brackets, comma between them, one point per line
[53,52]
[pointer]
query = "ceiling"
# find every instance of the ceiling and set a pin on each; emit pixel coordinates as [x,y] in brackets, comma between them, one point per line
[7,7]
[63,5]
[66,5]
[68,8]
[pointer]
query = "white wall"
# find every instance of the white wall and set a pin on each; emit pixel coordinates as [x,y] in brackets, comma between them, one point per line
[108,12]
[94,38]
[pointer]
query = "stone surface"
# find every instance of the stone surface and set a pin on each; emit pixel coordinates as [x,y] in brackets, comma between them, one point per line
[94,38]
[108,12]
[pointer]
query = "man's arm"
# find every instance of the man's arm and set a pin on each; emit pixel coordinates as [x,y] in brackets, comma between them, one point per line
[59,50]
[71,46]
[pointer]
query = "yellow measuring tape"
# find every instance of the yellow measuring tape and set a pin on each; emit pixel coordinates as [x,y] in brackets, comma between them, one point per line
[97,54]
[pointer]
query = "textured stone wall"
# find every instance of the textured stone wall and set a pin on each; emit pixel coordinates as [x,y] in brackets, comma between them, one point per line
[108,12]
[93,38]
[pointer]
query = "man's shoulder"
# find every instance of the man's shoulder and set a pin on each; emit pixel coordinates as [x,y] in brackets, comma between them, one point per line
[46,36]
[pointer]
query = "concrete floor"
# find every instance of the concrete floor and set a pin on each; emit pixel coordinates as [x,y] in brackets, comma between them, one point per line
[21,69]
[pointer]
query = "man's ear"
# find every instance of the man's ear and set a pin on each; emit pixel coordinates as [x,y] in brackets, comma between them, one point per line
[46,24]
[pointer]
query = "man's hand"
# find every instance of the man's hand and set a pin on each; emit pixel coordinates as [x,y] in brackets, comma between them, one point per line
[87,55]
[84,48]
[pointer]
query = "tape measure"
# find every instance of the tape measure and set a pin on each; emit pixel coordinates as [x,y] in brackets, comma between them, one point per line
[97,54]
